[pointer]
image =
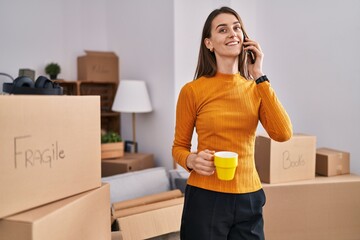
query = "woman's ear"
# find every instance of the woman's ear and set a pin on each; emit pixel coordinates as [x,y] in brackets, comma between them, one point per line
[208,44]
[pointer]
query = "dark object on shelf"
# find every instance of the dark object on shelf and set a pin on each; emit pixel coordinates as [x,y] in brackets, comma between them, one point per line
[131,147]
[25,72]
[25,85]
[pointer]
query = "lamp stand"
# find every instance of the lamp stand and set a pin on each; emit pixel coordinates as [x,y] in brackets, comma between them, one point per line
[133,125]
[132,146]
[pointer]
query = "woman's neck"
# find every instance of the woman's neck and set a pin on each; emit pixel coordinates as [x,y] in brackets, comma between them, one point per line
[228,65]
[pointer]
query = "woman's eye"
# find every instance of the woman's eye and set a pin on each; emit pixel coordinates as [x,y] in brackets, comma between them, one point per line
[237,28]
[222,30]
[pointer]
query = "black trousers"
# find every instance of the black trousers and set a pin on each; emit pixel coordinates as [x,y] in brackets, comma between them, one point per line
[209,215]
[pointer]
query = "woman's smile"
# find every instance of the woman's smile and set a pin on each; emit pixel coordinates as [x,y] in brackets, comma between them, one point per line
[232,43]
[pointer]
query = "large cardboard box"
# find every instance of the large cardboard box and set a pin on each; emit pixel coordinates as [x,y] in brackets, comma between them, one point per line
[83,216]
[324,208]
[331,162]
[153,223]
[50,149]
[98,67]
[288,161]
[128,163]
[157,214]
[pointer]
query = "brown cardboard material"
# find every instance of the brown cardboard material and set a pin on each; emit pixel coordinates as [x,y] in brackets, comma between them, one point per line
[322,208]
[98,67]
[153,198]
[160,221]
[83,216]
[50,149]
[147,207]
[128,163]
[331,162]
[116,235]
[288,161]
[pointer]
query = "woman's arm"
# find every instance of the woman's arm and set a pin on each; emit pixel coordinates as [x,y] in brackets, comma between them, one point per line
[273,116]
[184,126]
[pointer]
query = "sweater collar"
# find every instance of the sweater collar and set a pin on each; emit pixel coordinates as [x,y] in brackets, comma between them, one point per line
[228,77]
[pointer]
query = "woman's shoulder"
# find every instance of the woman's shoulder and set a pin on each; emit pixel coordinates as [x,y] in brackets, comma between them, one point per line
[195,83]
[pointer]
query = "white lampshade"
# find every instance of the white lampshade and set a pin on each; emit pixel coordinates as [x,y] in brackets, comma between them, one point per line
[132,97]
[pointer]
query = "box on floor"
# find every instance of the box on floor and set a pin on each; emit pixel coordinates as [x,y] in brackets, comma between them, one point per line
[83,216]
[324,208]
[50,149]
[128,163]
[293,160]
[98,66]
[331,162]
[157,214]
[116,235]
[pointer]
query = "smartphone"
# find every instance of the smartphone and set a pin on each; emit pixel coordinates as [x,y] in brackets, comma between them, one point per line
[250,54]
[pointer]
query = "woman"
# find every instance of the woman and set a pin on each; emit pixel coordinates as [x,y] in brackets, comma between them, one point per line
[225,102]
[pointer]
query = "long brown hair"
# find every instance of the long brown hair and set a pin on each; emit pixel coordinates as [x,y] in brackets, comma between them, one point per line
[206,65]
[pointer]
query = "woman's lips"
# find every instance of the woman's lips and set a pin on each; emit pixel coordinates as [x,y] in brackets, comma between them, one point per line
[232,43]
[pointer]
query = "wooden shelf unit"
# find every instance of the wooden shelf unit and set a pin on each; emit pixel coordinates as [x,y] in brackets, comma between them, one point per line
[110,121]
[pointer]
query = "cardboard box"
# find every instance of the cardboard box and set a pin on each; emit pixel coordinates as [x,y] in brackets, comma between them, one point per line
[331,162]
[146,200]
[153,223]
[50,149]
[288,161]
[116,235]
[322,208]
[83,216]
[158,216]
[130,162]
[98,67]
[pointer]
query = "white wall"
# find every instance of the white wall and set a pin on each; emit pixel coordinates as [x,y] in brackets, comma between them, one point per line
[34,33]
[311,55]
[143,33]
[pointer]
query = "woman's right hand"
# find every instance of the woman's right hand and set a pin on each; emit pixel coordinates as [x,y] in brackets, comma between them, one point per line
[202,162]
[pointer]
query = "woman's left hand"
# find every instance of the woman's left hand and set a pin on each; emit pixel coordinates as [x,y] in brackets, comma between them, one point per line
[255,69]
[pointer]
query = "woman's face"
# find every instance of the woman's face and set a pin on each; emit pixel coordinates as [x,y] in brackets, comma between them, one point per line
[226,36]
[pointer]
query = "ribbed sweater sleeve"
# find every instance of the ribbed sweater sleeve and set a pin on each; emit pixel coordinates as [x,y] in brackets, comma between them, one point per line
[185,123]
[273,116]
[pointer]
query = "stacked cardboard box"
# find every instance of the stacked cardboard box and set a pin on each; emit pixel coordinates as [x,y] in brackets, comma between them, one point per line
[301,205]
[50,176]
[98,67]
[297,159]
[288,161]
[332,162]
[128,163]
[157,214]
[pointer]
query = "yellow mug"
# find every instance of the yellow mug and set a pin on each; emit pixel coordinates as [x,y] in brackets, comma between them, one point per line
[225,164]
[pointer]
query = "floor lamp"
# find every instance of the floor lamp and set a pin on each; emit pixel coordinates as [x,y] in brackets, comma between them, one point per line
[132,97]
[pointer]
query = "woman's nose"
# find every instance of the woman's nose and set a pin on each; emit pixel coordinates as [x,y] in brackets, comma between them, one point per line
[232,34]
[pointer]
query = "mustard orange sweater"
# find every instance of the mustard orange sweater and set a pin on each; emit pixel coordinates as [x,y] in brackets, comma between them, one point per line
[225,111]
